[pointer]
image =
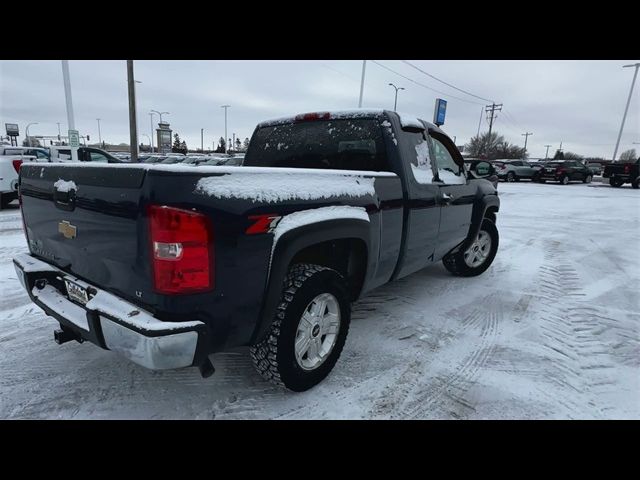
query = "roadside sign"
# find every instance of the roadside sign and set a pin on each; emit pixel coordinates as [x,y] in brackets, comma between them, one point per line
[439,111]
[74,138]
[12,129]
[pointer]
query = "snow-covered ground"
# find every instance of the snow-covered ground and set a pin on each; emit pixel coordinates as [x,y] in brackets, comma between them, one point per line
[551,330]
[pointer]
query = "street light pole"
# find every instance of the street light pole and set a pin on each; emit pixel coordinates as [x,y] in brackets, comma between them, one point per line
[27,133]
[626,109]
[202,140]
[395,102]
[226,140]
[546,155]
[99,134]
[151,124]
[526,137]
[133,128]
[364,67]
[67,94]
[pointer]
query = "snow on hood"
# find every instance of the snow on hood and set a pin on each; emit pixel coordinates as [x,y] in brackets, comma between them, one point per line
[272,187]
[63,185]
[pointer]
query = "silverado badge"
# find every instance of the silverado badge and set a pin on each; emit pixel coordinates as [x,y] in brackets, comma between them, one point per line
[66,229]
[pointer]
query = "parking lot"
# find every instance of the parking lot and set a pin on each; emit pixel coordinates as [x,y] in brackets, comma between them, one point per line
[551,330]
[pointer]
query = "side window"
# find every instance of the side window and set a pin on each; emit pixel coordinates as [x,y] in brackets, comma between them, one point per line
[41,155]
[449,172]
[98,157]
[64,154]
[420,157]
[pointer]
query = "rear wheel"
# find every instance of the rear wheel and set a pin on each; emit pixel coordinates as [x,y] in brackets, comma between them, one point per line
[614,182]
[511,177]
[309,330]
[479,256]
[587,179]
[564,180]
[636,183]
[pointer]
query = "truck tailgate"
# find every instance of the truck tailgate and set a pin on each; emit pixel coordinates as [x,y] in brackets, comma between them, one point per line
[85,221]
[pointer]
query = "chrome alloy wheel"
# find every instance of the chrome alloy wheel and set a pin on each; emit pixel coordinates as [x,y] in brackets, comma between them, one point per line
[479,250]
[317,331]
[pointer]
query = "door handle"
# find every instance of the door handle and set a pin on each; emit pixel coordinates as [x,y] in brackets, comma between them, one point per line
[447,197]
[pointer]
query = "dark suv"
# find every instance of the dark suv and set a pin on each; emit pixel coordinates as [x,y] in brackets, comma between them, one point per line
[564,171]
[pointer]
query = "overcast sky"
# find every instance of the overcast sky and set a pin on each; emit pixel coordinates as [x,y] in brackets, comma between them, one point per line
[577,102]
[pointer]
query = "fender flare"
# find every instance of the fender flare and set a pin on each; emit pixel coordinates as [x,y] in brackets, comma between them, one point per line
[479,209]
[292,242]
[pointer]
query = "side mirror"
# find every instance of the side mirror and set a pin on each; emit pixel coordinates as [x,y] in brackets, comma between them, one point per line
[483,169]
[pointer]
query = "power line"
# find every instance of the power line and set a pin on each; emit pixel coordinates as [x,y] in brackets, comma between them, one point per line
[448,84]
[424,86]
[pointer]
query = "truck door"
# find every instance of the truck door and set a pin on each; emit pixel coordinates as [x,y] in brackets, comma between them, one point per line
[422,212]
[455,194]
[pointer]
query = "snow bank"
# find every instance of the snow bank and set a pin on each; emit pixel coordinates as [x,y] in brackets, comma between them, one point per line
[278,187]
[63,185]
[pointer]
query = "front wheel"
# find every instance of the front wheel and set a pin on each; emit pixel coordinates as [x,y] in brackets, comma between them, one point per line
[308,331]
[564,180]
[587,179]
[511,177]
[479,256]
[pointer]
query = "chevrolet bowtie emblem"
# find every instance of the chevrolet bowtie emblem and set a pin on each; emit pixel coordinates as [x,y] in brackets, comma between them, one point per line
[66,229]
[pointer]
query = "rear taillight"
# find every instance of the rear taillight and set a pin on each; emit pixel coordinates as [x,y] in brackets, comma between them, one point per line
[16,165]
[627,168]
[182,250]
[560,170]
[306,117]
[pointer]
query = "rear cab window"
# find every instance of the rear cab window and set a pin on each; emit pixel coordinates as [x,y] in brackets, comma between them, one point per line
[341,144]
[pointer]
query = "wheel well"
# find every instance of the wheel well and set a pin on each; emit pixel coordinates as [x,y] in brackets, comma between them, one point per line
[346,255]
[490,213]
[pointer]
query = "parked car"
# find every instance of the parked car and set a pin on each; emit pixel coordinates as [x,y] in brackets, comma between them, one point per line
[9,169]
[515,170]
[171,159]
[596,168]
[564,171]
[169,267]
[620,173]
[41,154]
[85,154]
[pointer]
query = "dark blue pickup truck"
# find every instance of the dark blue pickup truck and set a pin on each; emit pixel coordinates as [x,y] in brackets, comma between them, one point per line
[167,264]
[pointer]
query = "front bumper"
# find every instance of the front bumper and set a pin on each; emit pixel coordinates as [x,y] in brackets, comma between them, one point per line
[112,323]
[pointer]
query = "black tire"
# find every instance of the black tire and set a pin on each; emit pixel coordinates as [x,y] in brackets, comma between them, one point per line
[5,200]
[564,180]
[636,183]
[274,357]
[587,179]
[455,262]
[615,183]
[511,177]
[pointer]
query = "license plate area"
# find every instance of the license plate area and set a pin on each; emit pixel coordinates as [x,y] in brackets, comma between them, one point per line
[76,293]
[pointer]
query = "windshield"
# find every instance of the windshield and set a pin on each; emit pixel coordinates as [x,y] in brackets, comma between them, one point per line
[345,144]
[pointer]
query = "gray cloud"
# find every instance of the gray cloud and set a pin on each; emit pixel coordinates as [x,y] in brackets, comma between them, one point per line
[577,102]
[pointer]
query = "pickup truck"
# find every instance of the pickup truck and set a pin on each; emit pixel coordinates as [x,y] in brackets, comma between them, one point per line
[167,264]
[9,168]
[620,173]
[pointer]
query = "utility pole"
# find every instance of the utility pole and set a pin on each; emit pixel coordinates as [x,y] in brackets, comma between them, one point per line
[480,121]
[626,109]
[226,141]
[364,67]
[67,95]
[233,144]
[133,130]
[99,134]
[395,102]
[491,109]
[58,130]
[526,137]
[202,140]
[546,155]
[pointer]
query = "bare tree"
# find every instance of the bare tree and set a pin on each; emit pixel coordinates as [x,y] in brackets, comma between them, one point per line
[629,155]
[492,146]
